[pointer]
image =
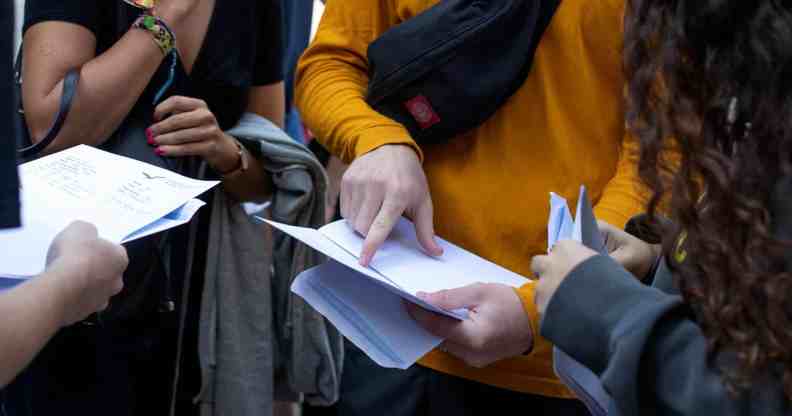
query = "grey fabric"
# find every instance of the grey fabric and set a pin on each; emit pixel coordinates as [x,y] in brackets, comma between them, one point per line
[646,347]
[252,328]
[235,342]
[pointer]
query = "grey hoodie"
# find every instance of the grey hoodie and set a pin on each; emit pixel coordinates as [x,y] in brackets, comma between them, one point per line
[644,343]
[254,334]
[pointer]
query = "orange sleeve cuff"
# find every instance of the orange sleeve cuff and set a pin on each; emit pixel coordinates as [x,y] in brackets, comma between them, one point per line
[375,137]
[527,293]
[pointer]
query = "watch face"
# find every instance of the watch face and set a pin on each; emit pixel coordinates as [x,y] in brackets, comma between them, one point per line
[141,4]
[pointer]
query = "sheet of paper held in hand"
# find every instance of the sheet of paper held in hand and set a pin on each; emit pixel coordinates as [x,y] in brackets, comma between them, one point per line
[125,199]
[583,229]
[365,303]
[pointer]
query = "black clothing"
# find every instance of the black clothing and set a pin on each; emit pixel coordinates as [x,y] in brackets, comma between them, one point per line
[368,389]
[125,364]
[9,185]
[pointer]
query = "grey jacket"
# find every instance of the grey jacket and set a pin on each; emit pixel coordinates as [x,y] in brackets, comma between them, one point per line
[254,334]
[645,344]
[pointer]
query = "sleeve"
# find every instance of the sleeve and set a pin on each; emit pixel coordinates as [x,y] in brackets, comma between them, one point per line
[624,196]
[85,13]
[527,294]
[650,357]
[269,43]
[332,77]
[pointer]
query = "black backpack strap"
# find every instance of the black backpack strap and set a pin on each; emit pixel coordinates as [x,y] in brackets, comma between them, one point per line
[69,91]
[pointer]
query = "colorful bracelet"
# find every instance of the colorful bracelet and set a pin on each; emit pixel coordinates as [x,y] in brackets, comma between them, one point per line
[163,36]
[141,4]
[166,40]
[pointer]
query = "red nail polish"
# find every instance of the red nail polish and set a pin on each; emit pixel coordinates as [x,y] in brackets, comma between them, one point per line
[149,137]
[159,151]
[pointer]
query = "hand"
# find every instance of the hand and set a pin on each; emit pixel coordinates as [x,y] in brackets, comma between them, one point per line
[632,253]
[87,271]
[497,326]
[186,127]
[381,186]
[553,268]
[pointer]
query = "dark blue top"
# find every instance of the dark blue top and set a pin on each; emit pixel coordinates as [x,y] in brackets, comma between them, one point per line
[297,16]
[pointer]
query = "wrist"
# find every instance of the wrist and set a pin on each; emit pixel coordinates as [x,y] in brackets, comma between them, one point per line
[173,16]
[227,158]
[59,293]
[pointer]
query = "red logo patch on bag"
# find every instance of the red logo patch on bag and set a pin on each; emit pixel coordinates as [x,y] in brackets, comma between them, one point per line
[422,111]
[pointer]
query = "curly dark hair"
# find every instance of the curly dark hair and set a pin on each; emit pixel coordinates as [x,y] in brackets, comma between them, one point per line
[709,97]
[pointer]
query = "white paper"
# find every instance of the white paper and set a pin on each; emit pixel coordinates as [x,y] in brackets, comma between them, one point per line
[560,226]
[583,228]
[365,303]
[120,196]
[179,216]
[370,316]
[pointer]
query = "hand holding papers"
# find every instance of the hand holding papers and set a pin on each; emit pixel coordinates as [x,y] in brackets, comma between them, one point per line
[365,303]
[125,200]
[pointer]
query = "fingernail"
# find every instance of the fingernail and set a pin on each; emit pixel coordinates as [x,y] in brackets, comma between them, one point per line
[159,151]
[149,137]
[422,295]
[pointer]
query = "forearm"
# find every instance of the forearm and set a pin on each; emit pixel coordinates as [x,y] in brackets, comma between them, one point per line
[639,340]
[110,85]
[332,78]
[31,316]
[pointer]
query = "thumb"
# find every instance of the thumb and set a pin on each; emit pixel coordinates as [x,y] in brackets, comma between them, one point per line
[77,231]
[424,228]
[466,297]
[539,265]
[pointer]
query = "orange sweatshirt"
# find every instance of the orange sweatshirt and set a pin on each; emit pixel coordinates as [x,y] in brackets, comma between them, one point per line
[490,187]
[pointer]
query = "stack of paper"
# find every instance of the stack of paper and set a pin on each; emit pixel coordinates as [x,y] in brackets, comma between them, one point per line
[583,229]
[365,303]
[125,199]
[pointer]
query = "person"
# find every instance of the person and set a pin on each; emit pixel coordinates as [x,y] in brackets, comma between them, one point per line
[486,190]
[712,335]
[138,359]
[83,271]
[297,15]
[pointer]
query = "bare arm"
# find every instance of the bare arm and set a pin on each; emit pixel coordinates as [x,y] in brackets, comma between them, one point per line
[110,83]
[83,272]
[31,316]
[255,185]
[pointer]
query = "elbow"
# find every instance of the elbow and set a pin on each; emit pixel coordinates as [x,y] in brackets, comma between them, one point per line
[37,127]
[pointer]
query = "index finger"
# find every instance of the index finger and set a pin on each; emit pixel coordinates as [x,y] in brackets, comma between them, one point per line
[176,104]
[383,224]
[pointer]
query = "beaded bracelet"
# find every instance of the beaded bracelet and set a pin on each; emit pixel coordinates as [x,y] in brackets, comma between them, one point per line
[163,36]
[166,40]
[141,4]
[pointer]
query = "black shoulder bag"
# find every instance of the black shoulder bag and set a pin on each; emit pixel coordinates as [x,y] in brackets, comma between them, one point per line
[448,69]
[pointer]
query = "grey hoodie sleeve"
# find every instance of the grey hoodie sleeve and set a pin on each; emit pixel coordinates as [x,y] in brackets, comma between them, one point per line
[650,357]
